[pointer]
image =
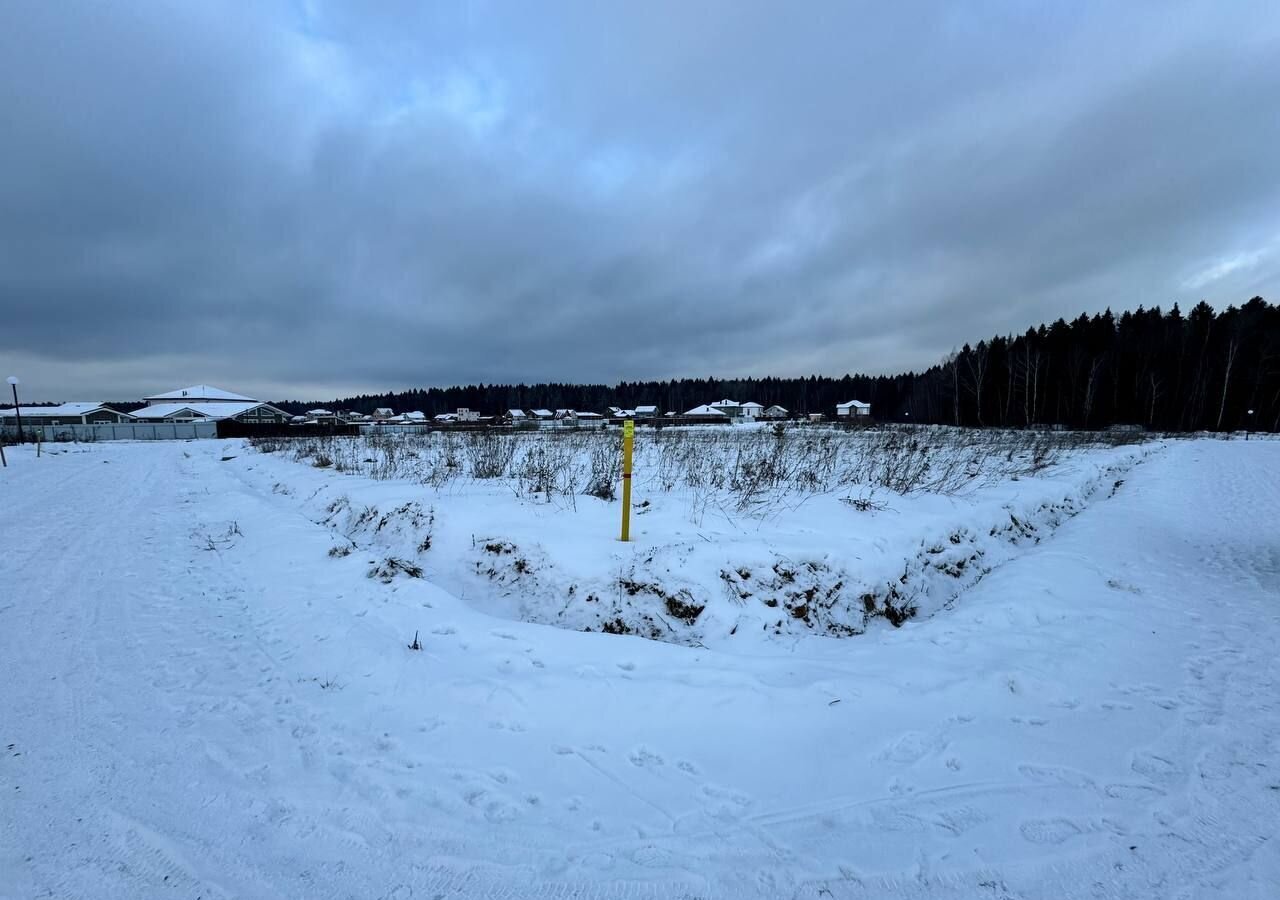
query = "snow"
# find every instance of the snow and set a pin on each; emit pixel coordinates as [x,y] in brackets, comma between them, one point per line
[199,392]
[705,410]
[201,701]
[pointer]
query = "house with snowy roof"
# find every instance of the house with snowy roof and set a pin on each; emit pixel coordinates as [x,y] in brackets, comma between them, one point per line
[86,412]
[197,393]
[206,403]
[735,410]
[776,412]
[854,409]
[250,412]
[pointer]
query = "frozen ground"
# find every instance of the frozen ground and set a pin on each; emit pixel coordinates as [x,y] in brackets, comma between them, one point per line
[199,702]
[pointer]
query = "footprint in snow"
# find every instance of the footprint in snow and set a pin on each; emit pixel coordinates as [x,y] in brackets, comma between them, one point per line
[911,748]
[1049,831]
[1057,775]
[1157,768]
[1133,791]
[645,759]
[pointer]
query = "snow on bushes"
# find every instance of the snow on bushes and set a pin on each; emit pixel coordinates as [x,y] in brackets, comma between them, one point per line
[739,531]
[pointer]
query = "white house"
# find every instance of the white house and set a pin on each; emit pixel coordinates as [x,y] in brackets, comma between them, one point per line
[251,412]
[751,410]
[416,416]
[516,415]
[854,409]
[776,412]
[78,413]
[467,415]
[197,393]
[730,408]
[706,410]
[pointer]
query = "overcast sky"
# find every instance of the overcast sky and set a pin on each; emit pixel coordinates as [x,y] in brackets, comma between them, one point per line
[309,199]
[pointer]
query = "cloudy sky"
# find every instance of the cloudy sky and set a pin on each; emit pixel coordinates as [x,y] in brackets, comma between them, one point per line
[307,199]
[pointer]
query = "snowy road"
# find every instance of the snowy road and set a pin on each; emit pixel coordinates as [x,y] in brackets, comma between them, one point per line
[199,702]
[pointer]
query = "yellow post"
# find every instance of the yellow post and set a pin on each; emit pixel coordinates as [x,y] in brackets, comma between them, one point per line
[628,437]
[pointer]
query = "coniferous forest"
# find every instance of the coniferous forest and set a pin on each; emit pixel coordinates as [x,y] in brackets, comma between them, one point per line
[1164,370]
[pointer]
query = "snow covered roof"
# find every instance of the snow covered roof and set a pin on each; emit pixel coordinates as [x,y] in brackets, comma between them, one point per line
[384,411]
[751,404]
[78,408]
[853,404]
[646,410]
[215,410]
[319,412]
[197,392]
[704,410]
[589,415]
[416,416]
[726,403]
[542,413]
[516,413]
[777,408]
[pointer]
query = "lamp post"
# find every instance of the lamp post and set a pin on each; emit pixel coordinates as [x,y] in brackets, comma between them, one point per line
[1248,425]
[17,410]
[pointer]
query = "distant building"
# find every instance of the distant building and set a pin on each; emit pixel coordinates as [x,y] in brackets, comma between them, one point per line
[730,408]
[646,411]
[79,413]
[751,410]
[776,412]
[384,412]
[251,412]
[854,409]
[197,393]
[707,410]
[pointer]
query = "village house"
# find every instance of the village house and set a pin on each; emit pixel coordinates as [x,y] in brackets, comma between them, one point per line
[78,413]
[712,410]
[776,412]
[854,409]
[205,403]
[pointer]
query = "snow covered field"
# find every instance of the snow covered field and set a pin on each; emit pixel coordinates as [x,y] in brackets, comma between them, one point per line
[201,701]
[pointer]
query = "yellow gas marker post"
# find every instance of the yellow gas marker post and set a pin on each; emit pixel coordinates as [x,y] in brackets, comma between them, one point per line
[628,438]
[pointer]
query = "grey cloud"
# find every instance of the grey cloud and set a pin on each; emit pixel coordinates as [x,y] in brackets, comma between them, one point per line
[335,197]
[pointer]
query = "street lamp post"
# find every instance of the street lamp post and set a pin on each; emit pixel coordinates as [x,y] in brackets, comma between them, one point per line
[1248,425]
[17,410]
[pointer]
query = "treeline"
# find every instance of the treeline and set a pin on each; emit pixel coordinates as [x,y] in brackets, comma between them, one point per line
[1164,370]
